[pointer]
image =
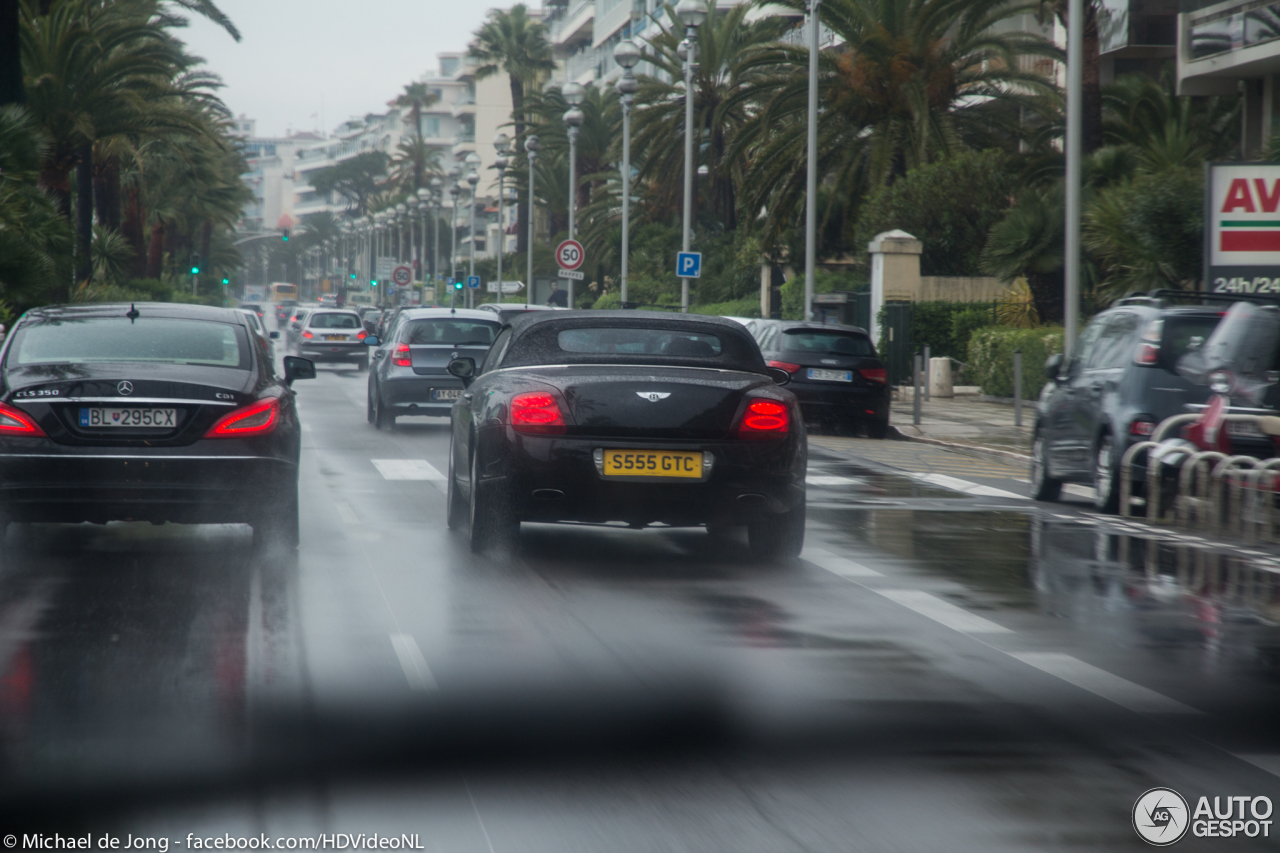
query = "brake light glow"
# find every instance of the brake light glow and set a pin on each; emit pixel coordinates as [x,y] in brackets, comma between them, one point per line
[1147,354]
[537,412]
[257,418]
[1142,428]
[874,374]
[308,335]
[764,419]
[785,365]
[402,358]
[14,421]
[362,335]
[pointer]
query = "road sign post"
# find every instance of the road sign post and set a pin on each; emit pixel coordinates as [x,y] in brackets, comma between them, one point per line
[570,255]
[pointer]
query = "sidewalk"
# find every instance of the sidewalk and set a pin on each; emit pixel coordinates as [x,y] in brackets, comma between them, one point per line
[966,422]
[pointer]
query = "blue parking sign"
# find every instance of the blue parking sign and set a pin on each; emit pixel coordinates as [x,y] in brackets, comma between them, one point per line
[689,264]
[473,281]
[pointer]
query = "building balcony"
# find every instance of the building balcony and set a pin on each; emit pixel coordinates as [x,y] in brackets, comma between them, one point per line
[463,107]
[574,24]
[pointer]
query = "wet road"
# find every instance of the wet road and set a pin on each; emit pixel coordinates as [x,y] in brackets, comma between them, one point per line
[948,667]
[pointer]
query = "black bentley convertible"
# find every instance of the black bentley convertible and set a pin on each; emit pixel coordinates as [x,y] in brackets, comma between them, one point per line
[640,418]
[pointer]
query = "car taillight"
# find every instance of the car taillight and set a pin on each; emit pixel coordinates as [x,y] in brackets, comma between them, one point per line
[362,335]
[537,412]
[785,365]
[874,374]
[308,335]
[1147,354]
[14,421]
[257,418]
[764,419]
[1142,427]
[402,358]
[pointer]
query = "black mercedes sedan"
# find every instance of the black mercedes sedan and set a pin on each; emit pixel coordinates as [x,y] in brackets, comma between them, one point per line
[633,417]
[147,412]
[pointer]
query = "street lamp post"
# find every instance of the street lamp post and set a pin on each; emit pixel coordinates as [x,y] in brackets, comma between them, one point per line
[573,118]
[453,243]
[1074,147]
[531,146]
[402,217]
[692,14]
[473,178]
[501,144]
[627,55]
[424,210]
[811,177]
[437,199]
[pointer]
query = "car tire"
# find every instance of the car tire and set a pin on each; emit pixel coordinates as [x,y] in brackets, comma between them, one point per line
[1106,477]
[382,419]
[1043,487]
[455,510]
[779,537]
[491,523]
[278,524]
[878,428]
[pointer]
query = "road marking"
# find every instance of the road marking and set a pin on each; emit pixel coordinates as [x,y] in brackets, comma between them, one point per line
[831,480]
[1124,693]
[942,612]
[412,662]
[837,565]
[407,469]
[346,512]
[955,484]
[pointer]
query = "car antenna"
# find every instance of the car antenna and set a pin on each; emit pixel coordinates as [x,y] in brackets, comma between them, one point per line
[132,313]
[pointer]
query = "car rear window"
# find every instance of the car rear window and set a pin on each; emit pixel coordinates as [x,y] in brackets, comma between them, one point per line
[624,341]
[117,339]
[446,332]
[826,341]
[1180,332]
[335,321]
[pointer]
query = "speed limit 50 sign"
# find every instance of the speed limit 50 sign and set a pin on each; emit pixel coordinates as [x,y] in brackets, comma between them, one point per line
[569,255]
[402,276]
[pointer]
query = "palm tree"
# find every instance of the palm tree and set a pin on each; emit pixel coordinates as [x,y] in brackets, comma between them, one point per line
[416,97]
[414,163]
[35,240]
[1166,130]
[728,49]
[919,79]
[513,43]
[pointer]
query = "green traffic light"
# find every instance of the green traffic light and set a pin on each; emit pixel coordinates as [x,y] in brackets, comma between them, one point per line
[353,276]
[195,270]
[284,237]
[457,285]
[226,281]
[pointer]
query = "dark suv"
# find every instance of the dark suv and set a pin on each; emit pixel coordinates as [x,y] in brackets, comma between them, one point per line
[835,372]
[1119,383]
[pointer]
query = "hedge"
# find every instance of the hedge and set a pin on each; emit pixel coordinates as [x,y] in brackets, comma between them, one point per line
[991,358]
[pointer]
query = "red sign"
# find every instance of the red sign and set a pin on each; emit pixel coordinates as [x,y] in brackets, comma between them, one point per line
[569,255]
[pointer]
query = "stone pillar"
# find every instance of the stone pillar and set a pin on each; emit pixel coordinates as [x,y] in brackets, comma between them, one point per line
[895,272]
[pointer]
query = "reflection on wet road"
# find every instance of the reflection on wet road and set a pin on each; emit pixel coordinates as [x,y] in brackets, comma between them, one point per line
[947,668]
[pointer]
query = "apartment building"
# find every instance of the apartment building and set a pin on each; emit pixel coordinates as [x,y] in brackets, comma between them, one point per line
[270,174]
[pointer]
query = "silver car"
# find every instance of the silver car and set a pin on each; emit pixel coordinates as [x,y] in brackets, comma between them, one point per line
[333,336]
[255,323]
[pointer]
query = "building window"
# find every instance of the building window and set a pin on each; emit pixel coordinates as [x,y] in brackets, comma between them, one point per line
[431,126]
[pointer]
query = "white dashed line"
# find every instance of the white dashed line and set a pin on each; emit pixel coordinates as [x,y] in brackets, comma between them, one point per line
[346,512]
[942,612]
[838,565]
[1124,693]
[955,484]
[407,469]
[832,480]
[412,662]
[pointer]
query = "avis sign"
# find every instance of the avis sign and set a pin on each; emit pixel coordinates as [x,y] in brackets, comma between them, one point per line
[1242,233]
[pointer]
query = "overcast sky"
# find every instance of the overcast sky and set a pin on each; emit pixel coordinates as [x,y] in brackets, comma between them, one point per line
[303,60]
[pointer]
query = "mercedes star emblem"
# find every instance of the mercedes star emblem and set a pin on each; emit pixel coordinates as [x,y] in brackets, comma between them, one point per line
[125,387]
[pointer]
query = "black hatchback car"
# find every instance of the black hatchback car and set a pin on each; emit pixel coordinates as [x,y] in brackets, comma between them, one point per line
[835,373]
[1119,383]
[147,412]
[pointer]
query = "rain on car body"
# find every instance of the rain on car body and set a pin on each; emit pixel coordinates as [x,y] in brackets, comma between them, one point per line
[623,417]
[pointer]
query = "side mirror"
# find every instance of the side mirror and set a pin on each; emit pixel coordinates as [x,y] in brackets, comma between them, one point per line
[372,341]
[463,368]
[275,336]
[780,376]
[1053,365]
[298,368]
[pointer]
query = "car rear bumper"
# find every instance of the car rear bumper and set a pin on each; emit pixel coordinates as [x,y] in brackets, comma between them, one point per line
[842,403]
[97,484]
[411,395]
[334,352]
[553,478]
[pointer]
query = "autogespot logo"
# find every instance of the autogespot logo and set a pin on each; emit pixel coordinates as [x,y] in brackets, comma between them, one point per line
[1160,816]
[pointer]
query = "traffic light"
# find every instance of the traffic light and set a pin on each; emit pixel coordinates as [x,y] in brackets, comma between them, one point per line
[195,264]
[353,276]
[226,281]
[284,235]
[457,285]
[373,282]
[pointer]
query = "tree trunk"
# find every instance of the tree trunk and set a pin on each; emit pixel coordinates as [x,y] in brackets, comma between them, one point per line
[522,193]
[54,179]
[1047,294]
[84,213]
[11,88]
[132,230]
[106,192]
[155,252]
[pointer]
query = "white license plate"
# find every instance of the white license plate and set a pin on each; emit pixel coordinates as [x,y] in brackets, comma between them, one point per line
[445,393]
[156,418]
[1244,429]
[830,375]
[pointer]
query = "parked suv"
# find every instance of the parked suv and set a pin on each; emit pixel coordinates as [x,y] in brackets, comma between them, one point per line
[835,373]
[1119,383]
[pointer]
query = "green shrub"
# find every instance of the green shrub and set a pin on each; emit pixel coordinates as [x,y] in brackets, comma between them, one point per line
[991,358]
[734,308]
[608,302]
[945,326]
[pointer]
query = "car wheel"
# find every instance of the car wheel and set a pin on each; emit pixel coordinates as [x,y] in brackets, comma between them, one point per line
[878,428]
[1043,487]
[382,419]
[455,512]
[278,524]
[779,537]
[1106,478]
[492,524]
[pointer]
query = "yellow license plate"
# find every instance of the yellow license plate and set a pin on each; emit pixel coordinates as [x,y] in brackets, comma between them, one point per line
[653,463]
[335,337]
